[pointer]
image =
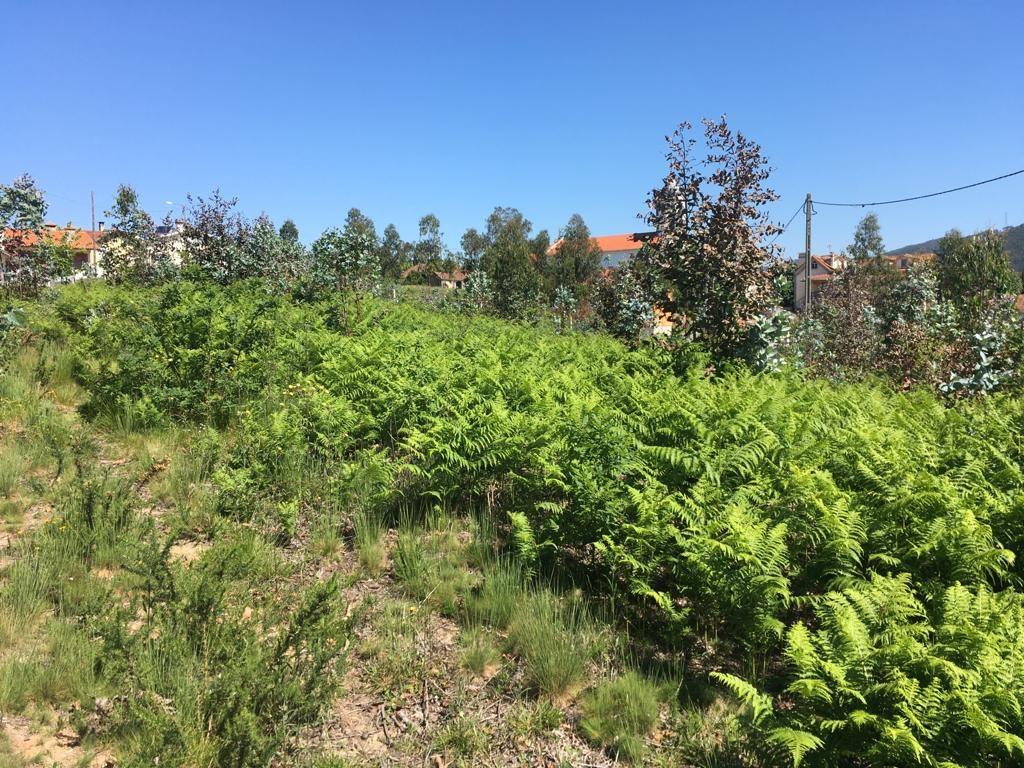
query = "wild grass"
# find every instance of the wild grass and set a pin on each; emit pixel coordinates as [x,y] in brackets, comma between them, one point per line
[23,596]
[533,719]
[61,670]
[479,653]
[393,662]
[12,511]
[713,736]
[326,540]
[368,538]
[461,739]
[556,642]
[432,565]
[618,714]
[191,466]
[500,591]
[12,465]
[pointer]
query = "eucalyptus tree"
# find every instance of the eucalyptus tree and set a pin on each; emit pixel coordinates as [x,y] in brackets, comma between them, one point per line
[711,227]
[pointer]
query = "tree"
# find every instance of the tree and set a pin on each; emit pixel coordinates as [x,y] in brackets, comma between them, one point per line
[289,232]
[710,227]
[625,300]
[281,259]
[358,224]
[395,253]
[473,245]
[974,270]
[576,259]
[213,235]
[867,239]
[28,257]
[22,204]
[129,246]
[348,258]
[430,248]
[509,262]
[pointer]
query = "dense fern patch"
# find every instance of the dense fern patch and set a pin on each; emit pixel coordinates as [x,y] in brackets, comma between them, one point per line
[844,556]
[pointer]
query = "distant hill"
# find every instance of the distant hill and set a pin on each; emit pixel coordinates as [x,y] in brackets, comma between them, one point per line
[1012,236]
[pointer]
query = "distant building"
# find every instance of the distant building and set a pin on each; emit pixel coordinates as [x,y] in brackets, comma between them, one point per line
[616,250]
[825,269]
[423,274]
[84,244]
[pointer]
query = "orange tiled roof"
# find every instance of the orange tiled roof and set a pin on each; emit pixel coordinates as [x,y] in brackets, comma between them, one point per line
[921,257]
[826,262]
[77,239]
[629,241]
[626,242]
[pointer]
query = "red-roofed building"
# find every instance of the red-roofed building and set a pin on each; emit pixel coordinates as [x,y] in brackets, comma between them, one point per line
[423,274]
[615,249]
[825,268]
[823,271]
[83,243]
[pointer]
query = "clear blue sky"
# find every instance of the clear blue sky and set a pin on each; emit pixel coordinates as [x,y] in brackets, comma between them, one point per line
[305,109]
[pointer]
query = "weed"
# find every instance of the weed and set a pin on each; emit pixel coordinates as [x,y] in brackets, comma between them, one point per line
[618,714]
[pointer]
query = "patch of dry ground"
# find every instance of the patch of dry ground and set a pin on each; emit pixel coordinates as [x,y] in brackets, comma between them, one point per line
[33,745]
[409,724]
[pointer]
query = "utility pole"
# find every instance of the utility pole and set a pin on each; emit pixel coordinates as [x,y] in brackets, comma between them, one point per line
[807,252]
[92,232]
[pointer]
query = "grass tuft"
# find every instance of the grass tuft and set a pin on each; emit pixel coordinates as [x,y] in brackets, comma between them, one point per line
[555,641]
[479,654]
[494,602]
[618,714]
[462,739]
[12,464]
[369,543]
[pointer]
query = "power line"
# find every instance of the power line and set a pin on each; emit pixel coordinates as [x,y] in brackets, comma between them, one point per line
[783,230]
[922,197]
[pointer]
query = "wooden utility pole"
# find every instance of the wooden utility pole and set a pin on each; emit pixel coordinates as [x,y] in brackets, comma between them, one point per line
[92,232]
[807,252]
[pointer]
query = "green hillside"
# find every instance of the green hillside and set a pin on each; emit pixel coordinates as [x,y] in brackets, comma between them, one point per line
[1013,236]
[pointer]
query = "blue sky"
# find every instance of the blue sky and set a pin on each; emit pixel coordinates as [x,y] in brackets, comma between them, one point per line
[305,109]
